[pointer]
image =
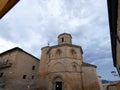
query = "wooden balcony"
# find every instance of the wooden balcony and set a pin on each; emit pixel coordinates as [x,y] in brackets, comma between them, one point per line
[5,65]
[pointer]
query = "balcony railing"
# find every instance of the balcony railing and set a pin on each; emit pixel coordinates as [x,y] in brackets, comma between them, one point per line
[5,65]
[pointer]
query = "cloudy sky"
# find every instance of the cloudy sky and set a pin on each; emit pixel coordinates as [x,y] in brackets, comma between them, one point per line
[31,24]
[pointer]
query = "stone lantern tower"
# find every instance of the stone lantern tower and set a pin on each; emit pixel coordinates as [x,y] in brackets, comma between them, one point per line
[64,38]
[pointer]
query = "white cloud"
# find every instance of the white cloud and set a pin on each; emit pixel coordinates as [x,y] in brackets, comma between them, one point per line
[31,24]
[6,45]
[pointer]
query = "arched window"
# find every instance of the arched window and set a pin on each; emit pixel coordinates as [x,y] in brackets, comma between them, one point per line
[73,53]
[62,39]
[58,53]
[74,67]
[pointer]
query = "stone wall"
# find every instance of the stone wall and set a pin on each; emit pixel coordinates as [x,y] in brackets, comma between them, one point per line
[23,72]
[89,78]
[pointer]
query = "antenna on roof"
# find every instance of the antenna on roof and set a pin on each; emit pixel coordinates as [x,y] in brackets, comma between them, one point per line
[48,43]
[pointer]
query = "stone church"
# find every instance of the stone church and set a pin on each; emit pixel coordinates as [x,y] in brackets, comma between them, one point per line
[61,67]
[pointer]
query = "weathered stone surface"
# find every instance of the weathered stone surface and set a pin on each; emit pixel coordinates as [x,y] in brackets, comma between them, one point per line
[21,64]
[63,63]
[61,68]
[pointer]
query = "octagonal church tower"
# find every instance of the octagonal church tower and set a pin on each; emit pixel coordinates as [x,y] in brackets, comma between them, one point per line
[61,66]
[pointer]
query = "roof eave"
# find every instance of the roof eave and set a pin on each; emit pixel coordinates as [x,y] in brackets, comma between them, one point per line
[113,14]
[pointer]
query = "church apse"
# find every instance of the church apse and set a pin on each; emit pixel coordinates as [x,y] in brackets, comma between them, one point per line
[63,66]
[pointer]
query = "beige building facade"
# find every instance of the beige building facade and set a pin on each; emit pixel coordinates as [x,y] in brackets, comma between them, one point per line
[62,67]
[18,70]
